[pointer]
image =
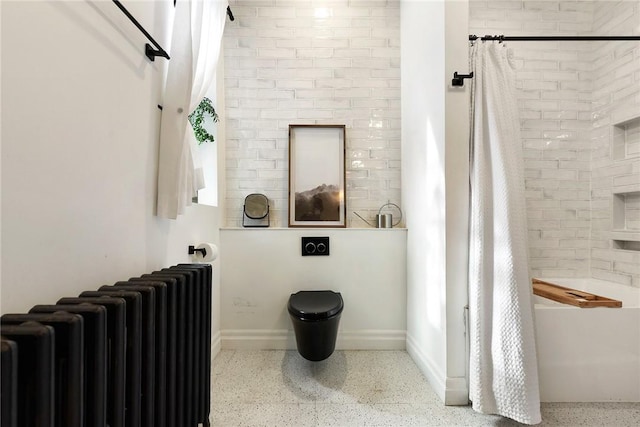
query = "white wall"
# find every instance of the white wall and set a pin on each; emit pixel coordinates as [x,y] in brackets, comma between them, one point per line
[264,266]
[79,152]
[457,199]
[434,193]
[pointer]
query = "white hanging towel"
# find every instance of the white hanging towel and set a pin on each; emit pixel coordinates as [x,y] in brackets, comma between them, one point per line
[503,370]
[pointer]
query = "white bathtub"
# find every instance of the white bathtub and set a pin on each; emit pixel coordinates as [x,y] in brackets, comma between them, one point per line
[589,354]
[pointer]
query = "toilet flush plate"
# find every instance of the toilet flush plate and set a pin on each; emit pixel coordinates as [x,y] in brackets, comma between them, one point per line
[315,246]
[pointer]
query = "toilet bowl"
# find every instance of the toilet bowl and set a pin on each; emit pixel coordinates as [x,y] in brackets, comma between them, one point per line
[315,316]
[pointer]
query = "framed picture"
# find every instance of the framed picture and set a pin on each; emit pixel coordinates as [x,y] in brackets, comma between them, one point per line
[317,176]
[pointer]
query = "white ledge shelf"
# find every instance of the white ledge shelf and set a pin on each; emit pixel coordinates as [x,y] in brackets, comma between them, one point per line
[625,235]
[315,229]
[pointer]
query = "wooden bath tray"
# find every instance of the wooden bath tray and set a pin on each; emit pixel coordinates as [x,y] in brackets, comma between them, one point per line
[572,296]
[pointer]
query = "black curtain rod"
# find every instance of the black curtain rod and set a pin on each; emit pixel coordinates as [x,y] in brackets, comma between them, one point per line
[149,51]
[229,13]
[501,38]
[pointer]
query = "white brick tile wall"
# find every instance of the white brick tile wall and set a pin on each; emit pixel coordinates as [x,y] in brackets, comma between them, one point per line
[570,95]
[312,62]
[616,85]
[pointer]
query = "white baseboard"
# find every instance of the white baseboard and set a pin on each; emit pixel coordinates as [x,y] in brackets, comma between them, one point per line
[283,339]
[216,345]
[456,392]
[372,339]
[257,339]
[428,368]
[452,391]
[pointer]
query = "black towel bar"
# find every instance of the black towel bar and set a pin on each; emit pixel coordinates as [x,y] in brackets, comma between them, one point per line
[149,51]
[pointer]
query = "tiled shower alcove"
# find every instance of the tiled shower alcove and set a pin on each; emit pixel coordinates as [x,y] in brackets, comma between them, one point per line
[626,202]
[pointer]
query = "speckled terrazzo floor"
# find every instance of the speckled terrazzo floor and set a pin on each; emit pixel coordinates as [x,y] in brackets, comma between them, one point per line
[360,388]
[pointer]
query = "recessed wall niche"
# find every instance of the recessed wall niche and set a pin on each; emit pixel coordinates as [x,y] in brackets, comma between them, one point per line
[626,140]
[626,220]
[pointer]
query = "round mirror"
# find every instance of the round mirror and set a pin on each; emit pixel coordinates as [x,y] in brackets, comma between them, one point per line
[256,206]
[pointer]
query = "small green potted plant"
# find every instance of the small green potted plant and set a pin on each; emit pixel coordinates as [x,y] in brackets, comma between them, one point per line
[205,108]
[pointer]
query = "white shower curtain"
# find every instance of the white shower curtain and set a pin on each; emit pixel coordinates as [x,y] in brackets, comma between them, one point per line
[503,369]
[195,48]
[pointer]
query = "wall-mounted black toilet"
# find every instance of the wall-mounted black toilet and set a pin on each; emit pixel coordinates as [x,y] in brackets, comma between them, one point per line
[315,316]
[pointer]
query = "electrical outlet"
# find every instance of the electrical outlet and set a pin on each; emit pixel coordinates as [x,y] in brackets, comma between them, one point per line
[315,246]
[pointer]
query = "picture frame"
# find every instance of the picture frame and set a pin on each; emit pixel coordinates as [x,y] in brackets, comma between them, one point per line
[317,196]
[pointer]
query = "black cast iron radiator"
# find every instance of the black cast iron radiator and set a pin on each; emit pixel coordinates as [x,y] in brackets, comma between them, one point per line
[135,354]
